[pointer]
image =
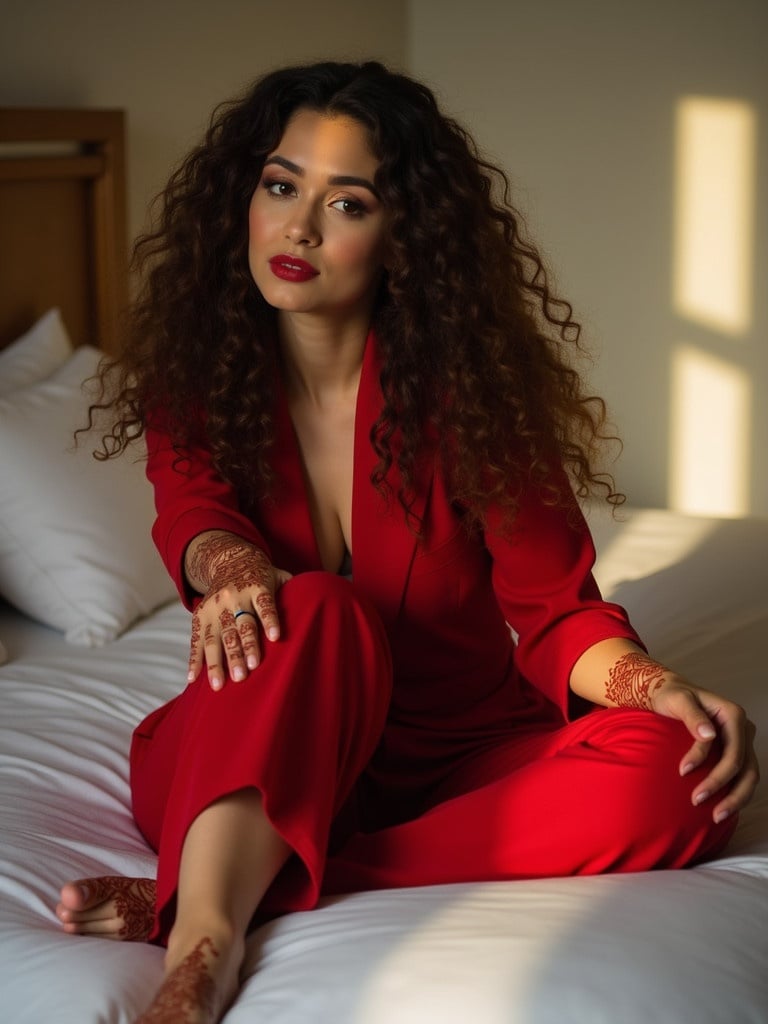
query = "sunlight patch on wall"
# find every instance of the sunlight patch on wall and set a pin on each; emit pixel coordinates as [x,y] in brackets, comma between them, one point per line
[714,212]
[709,459]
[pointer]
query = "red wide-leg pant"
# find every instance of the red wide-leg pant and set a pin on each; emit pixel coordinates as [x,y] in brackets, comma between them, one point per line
[600,794]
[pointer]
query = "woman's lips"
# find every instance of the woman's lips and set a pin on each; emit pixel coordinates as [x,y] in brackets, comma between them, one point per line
[291,268]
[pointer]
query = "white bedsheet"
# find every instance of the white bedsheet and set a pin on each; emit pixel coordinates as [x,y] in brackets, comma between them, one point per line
[687,947]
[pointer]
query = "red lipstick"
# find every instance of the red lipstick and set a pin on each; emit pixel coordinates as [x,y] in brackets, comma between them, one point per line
[291,268]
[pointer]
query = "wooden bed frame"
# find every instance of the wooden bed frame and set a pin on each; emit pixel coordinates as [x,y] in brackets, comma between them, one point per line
[63,221]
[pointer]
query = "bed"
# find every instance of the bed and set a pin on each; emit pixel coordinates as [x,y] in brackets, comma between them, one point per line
[93,638]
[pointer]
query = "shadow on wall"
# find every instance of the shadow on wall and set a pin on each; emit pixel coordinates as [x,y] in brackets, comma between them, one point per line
[690,584]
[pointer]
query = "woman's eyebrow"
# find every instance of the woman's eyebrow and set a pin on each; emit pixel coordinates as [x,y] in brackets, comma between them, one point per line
[337,179]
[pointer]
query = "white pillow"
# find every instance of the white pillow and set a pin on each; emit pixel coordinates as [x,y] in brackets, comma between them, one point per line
[75,545]
[36,354]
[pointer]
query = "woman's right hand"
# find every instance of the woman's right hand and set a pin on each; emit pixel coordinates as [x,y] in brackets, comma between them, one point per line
[238,583]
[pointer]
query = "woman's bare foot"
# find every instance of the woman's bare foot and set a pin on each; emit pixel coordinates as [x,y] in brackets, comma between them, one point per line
[110,906]
[201,981]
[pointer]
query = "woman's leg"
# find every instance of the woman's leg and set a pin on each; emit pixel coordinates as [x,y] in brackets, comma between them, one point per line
[230,856]
[602,794]
[299,730]
[238,789]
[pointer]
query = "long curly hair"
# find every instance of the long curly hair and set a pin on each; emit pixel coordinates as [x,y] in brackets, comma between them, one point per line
[477,353]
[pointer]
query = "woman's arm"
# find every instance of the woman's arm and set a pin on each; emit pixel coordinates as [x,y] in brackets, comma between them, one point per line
[618,673]
[191,499]
[217,557]
[571,641]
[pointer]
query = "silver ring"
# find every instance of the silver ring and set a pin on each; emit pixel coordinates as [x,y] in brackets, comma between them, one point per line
[243,612]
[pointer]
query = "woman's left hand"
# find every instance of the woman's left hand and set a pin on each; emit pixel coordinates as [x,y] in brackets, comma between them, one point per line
[707,715]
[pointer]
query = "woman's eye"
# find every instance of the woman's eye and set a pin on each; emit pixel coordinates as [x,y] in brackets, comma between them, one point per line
[279,188]
[349,206]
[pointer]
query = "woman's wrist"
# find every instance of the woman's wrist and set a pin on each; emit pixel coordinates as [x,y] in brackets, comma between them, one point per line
[633,680]
[618,673]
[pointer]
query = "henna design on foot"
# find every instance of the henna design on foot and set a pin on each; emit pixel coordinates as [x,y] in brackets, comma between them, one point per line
[188,994]
[131,902]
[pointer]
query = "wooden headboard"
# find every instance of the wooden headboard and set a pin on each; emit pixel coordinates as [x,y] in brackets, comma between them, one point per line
[63,221]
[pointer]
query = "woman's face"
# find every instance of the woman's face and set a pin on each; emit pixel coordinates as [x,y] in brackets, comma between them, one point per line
[316,222]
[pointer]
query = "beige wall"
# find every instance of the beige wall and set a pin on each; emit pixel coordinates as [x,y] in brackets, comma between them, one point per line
[579,100]
[169,62]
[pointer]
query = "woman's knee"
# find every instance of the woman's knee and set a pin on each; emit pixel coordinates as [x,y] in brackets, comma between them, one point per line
[317,586]
[330,628]
[332,601]
[650,750]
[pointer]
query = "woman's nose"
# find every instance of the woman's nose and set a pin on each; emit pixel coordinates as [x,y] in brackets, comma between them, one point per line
[302,228]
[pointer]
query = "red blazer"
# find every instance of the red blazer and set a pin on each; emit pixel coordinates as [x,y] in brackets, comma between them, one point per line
[445,599]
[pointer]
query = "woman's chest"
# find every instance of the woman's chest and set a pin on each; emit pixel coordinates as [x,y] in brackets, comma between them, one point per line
[326,451]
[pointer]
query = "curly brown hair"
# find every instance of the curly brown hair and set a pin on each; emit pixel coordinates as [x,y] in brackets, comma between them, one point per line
[476,350]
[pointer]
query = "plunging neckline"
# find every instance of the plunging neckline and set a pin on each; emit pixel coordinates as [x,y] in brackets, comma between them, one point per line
[383,545]
[360,439]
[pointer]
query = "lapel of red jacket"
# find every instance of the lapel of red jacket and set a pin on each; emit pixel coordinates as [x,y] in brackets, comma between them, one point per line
[383,545]
[285,514]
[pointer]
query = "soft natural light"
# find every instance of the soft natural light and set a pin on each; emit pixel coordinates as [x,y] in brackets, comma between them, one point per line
[408,984]
[641,542]
[709,462]
[714,212]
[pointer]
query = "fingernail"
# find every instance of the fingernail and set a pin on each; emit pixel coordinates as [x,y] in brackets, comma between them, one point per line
[215,684]
[721,816]
[252,661]
[190,677]
[273,632]
[687,768]
[238,675]
[706,732]
[701,797]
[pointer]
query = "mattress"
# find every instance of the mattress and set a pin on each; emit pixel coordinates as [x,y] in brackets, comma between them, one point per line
[673,947]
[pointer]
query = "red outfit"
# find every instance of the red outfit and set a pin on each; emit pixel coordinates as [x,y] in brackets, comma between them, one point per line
[396,732]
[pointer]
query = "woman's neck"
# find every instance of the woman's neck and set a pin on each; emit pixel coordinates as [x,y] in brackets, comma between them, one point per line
[321,361]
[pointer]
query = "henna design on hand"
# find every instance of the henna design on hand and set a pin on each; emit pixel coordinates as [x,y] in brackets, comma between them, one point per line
[264,602]
[229,632]
[248,631]
[194,649]
[221,561]
[224,566]
[633,679]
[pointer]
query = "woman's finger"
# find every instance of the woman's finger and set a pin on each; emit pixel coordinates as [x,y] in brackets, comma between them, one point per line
[695,756]
[233,650]
[249,636]
[731,762]
[264,603]
[746,780]
[213,656]
[740,794]
[195,650]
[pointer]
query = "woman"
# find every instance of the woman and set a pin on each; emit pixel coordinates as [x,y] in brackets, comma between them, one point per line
[347,363]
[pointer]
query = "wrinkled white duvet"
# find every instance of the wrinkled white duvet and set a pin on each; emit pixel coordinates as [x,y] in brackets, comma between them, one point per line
[685,947]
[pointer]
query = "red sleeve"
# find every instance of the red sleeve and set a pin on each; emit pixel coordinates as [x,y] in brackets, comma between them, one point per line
[542,576]
[190,497]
